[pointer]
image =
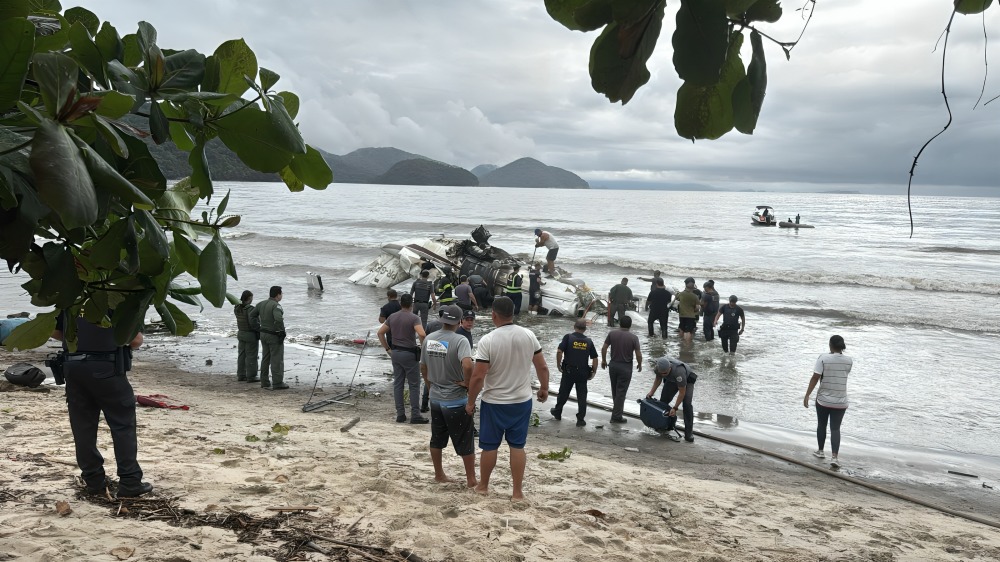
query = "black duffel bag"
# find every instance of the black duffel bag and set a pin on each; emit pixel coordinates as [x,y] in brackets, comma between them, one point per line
[24,374]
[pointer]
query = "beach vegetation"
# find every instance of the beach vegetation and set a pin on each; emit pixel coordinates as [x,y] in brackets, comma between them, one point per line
[556,455]
[85,210]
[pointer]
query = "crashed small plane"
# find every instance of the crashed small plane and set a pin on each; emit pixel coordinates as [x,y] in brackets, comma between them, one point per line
[399,261]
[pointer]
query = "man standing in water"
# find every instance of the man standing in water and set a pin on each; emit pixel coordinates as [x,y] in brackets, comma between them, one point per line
[543,238]
[247,330]
[405,327]
[513,289]
[709,307]
[658,306]
[652,280]
[389,308]
[272,339]
[422,291]
[733,322]
[502,372]
[446,365]
[618,299]
[688,304]
[535,288]
[624,344]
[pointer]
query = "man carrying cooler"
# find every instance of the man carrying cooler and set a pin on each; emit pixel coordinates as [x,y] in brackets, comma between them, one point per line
[677,379]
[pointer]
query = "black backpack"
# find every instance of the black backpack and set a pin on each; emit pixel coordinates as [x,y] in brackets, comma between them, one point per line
[24,374]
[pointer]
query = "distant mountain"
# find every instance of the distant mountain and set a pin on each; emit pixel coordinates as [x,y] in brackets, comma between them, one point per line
[483,169]
[528,172]
[420,171]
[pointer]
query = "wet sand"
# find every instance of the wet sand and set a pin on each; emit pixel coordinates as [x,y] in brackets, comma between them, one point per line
[373,485]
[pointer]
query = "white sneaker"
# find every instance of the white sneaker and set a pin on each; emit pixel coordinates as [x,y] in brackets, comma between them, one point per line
[835,464]
[819,454]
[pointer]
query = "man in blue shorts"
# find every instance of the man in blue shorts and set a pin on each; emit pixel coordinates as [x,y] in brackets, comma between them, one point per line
[446,365]
[504,359]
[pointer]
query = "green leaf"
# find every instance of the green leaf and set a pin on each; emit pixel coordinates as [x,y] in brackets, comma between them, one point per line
[187,299]
[291,102]
[268,78]
[225,69]
[60,285]
[45,6]
[61,176]
[33,333]
[972,6]
[182,324]
[293,182]
[765,10]
[201,173]
[131,245]
[109,43]
[311,169]
[86,53]
[594,14]
[131,51]
[154,233]
[129,316]
[111,136]
[700,41]
[618,57]
[736,8]
[223,204]
[10,9]
[114,104]
[106,253]
[188,253]
[748,97]
[264,141]
[706,112]
[183,71]
[212,271]
[57,41]
[158,124]
[17,39]
[96,307]
[178,131]
[56,75]
[141,169]
[564,12]
[230,264]
[146,37]
[106,177]
[630,11]
[85,17]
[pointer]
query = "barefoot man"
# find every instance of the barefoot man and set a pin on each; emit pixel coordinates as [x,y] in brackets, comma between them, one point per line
[503,373]
[446,364]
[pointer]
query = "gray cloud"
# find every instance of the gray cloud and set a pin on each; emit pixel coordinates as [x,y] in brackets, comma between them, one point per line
[477,81]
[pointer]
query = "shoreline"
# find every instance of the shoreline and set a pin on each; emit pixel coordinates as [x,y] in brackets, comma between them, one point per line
[707,500]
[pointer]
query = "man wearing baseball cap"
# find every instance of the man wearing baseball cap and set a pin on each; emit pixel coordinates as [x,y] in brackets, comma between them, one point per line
[465,328]
[446,365]
[733,322]
[677,379]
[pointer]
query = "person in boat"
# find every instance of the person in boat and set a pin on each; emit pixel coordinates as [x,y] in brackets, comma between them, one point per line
[830,373]
[576,359]
[733,322]
[797,218]
[446,366]
[766,216]
[543,238]
[96,383]
[678,379]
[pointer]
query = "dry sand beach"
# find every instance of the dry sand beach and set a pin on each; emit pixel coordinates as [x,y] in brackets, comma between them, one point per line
[373,487]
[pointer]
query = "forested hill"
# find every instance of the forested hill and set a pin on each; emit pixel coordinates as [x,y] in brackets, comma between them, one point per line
[528,172]
[420,171]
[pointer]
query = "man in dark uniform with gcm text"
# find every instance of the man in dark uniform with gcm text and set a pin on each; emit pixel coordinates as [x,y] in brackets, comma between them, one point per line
[576,359]
[96,383]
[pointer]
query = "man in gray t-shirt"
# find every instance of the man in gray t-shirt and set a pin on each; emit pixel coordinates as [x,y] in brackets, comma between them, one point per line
[624,345]
[446,365]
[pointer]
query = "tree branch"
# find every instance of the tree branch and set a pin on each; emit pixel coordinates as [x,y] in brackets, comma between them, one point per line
[944,54]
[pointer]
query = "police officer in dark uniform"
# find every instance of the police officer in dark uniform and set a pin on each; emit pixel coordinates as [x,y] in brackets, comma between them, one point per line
[577,361]
[678,378]
[96,383]
[422,291]
[733,322]
[248,336]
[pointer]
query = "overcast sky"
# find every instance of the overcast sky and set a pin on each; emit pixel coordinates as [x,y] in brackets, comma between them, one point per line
[488,81]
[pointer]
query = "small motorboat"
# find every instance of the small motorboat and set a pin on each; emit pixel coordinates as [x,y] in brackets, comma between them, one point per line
[791,224]
[763,216]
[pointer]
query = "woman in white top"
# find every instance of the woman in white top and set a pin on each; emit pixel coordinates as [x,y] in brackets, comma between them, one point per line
[831,373]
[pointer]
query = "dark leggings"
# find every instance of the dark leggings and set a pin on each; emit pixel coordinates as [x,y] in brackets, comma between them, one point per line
[835,416]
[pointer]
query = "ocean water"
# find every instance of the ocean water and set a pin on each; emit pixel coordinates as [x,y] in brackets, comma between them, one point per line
[921,315]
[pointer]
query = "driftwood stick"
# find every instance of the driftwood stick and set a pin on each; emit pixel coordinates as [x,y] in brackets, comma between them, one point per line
[294,508]
[344,543]
[350,424]
[409,555]
[313,546]
[356,521]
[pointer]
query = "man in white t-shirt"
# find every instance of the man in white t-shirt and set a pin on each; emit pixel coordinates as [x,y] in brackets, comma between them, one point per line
[502,372]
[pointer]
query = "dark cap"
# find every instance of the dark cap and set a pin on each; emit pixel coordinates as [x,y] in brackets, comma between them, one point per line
[663,365]
[517,266]
[656,272]
[538,232]
[580,324]
[732,298]
[710,283]
[451,315]
[469,314]
[689,280]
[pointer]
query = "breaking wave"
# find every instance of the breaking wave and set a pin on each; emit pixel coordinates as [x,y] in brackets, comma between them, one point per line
[949,321]
[959,250]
